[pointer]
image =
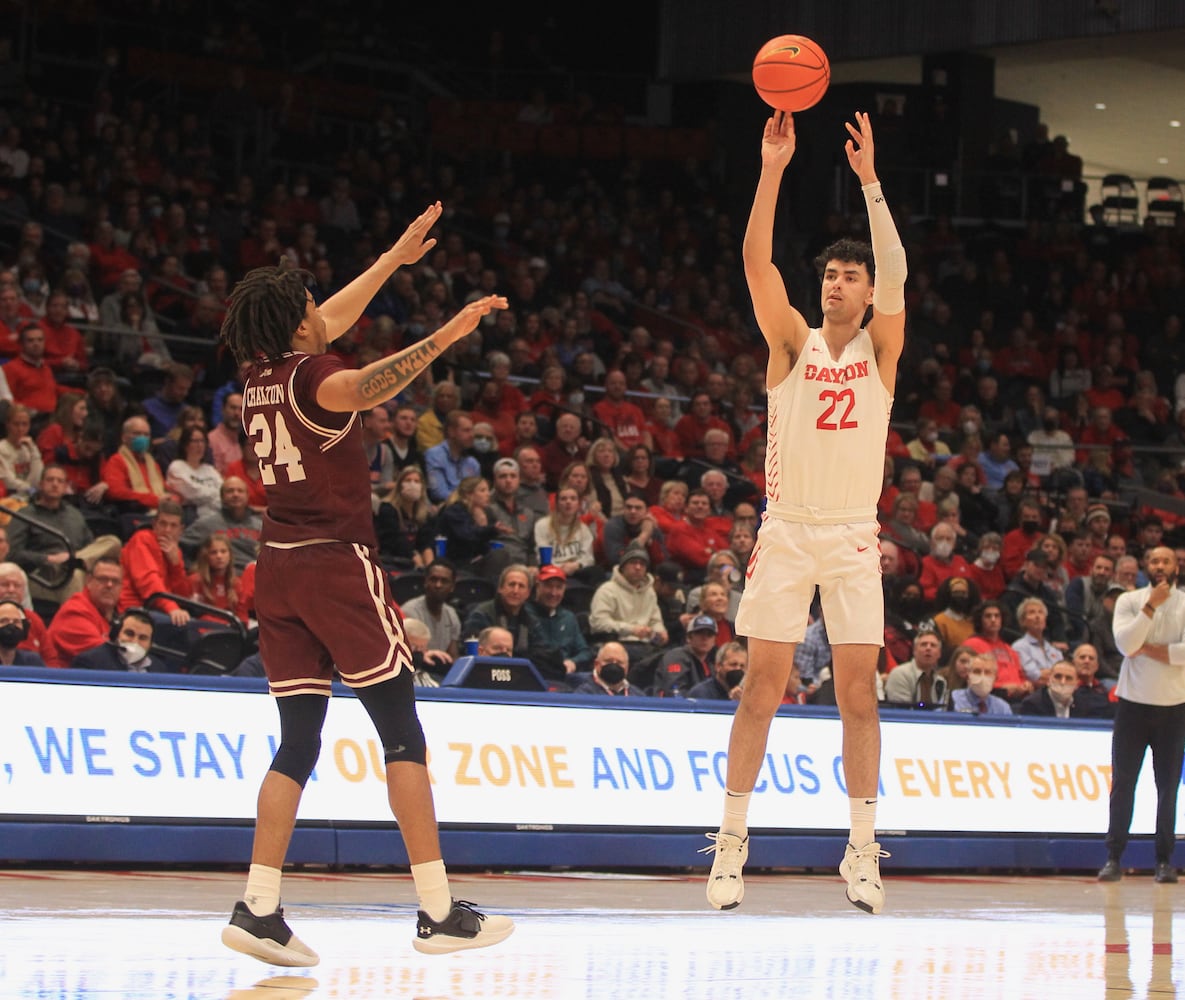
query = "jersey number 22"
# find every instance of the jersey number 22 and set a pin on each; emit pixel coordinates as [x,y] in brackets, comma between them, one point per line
[834,399]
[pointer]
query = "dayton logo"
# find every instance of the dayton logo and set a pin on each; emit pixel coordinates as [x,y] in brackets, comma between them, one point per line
[837,376]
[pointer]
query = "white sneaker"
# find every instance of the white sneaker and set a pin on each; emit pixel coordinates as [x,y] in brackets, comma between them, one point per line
[465,927]
[862,870]
[268,938]
[726,888]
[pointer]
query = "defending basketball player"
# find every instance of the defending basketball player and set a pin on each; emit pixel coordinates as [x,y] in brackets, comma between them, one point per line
[322,597]
[830,392]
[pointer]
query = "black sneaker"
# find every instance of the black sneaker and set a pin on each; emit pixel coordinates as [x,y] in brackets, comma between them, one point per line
[1165,872]
[268,938]
[464,927]
[1111,872]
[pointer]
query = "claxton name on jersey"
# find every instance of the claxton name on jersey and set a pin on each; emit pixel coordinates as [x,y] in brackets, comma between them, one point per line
[265,395]
[817,373]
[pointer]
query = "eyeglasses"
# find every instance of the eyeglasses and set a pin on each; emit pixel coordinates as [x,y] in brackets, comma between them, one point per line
[107,581]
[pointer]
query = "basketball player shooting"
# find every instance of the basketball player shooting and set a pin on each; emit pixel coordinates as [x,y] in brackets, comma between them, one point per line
[322,596]
[830,392]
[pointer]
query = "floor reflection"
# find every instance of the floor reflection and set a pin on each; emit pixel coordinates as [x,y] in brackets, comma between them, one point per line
[148,935]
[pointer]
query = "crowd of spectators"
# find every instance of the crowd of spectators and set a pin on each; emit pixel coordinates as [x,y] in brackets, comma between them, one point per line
[586,471]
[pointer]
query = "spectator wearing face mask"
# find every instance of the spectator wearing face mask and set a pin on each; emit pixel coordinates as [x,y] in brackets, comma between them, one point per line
[942,562]
[128,651]
[728,676]
[955,600]
[986,572]
[977,698]
[1063,698]
[1021,539]
[609,673]
[14,629]
[133,478]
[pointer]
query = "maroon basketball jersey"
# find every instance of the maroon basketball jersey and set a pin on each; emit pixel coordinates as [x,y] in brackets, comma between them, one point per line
[311,461]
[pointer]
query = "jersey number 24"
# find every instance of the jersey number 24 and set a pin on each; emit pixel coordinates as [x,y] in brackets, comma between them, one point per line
[274,448]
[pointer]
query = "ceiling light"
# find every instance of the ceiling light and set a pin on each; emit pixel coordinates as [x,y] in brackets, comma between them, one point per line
[1162,159]
[1100,106]
[1174,124]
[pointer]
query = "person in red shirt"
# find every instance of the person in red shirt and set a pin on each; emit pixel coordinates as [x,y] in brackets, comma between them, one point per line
[214,580]
[941,409]
[694,540]
[1022,538]
[666,441]
[108,259]
[84,619]
[13,315]
[942,562]
[14,586]
[1010,679]
[65,350]
[132,476]
[671,506]
[1100,431]
[152,564]
[986,572]
[29,377]
[693,425]
[621,419]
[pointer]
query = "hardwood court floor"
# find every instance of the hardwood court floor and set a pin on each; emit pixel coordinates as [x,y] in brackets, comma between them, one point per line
[154,935]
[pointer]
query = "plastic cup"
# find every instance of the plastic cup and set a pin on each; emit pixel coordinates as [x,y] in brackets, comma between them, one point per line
[545,552]
[470,647]
[441,546]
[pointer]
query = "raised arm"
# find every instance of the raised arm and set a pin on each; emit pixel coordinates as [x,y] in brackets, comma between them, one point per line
[341,311]
[362,388]
[887,326]
[783,326]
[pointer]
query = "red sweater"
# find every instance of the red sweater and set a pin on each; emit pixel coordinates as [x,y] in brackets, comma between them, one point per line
[78,625]
[146,571]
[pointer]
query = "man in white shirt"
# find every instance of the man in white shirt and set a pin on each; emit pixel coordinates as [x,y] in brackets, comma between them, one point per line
[1149,626]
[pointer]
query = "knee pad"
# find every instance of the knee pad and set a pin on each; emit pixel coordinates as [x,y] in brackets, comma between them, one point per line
[296,759]
[301,718]
[391,706]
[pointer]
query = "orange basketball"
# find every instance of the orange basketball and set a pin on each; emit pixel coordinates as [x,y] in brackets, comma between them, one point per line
[791,73]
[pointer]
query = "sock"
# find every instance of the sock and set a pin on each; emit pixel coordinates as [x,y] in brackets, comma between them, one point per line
[863,813]
[432,887]
[736,813]
[262,895]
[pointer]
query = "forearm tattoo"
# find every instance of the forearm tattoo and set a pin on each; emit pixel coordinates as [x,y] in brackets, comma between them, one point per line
[392,375]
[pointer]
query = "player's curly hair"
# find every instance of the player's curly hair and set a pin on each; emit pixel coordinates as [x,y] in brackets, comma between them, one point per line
[848,251]
[264,311]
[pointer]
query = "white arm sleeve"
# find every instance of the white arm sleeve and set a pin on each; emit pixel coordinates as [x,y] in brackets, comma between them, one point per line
[888,294]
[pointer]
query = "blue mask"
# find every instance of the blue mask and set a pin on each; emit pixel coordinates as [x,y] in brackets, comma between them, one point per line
[139,444]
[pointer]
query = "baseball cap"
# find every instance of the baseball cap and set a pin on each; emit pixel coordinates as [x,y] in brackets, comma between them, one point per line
[552,572]
[504,464]
[702,623]
[669,572]
[1037,557]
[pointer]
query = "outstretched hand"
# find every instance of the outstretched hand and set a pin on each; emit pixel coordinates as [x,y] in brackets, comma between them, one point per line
[467,318]
[778,141]
[860,148]
[413,244]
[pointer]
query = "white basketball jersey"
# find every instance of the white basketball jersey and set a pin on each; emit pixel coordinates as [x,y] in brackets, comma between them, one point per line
[828,422]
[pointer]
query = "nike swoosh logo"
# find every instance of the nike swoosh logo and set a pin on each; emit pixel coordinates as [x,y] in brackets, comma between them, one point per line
[870,802]
[861,548]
